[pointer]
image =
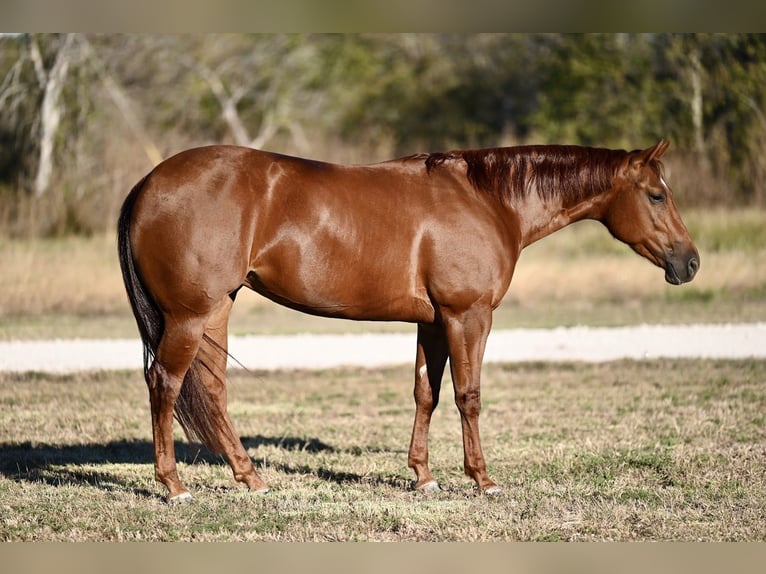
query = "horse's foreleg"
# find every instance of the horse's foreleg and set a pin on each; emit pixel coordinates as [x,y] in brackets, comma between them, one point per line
[467,337]
[429,368]
[213,355]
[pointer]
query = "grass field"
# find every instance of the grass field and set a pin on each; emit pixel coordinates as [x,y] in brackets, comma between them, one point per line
[651,450]
[660,450]
[72,287]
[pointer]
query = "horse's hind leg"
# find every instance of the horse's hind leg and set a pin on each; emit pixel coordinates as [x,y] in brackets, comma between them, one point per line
[174,355]
[429,368]
[213,355]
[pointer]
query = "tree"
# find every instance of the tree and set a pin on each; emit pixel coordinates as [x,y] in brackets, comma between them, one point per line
[714,87]
[83,116]
[596,89]
[15,105]
[122,102]
[262,84]
[51,82]
[432,91]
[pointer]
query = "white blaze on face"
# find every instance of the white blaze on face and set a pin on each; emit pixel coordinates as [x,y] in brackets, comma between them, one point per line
[664,183]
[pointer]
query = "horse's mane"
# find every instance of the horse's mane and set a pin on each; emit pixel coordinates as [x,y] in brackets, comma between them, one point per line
[570,172]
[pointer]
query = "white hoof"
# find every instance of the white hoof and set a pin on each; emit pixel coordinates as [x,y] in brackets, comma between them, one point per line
[493,491]
[183,498]
[430,487]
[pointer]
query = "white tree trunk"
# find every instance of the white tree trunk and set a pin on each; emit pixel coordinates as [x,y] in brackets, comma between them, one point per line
[696,101]
[51,110]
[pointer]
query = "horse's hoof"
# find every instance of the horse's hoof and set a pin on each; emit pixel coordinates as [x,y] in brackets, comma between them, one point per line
[183,498]
[429,487]
[493,491]
[261,491]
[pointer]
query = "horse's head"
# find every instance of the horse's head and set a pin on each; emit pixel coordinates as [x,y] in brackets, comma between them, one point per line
[643,214]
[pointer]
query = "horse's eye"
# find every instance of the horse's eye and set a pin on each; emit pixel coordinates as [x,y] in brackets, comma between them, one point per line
[657,197]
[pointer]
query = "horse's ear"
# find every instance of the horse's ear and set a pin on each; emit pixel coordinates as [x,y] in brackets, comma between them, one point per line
[640,158]
[655,151]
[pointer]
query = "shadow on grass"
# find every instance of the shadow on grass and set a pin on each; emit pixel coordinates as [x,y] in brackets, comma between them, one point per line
[60,464]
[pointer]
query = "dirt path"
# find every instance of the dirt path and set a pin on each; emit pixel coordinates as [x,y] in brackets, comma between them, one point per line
[320,351]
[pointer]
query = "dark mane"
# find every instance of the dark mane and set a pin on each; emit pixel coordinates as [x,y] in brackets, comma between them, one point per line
[570,172]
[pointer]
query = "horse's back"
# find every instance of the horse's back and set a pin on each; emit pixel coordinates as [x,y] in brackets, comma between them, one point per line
[365,242]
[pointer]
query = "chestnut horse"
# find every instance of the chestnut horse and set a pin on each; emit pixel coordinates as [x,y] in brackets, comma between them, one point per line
[431,239]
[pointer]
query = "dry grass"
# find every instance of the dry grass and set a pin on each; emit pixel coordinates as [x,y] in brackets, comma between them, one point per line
[662,450]
[73,275]
[72,287]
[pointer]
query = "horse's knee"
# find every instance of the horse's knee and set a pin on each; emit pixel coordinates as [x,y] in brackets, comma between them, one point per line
[425,398]
[468,402]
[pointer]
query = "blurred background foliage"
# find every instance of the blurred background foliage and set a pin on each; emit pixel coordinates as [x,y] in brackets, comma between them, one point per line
[83,117]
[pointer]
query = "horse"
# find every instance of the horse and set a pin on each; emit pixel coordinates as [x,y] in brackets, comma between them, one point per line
[431,239]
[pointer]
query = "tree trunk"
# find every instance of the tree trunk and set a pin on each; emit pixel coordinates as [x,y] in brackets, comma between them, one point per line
[51,111]
[695,73]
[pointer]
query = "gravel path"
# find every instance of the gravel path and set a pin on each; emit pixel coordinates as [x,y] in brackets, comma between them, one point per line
[321,351]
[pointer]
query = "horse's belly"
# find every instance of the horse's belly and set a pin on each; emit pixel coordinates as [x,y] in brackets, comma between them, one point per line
[344,291]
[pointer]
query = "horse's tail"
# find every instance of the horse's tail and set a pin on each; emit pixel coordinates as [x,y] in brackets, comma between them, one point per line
[145,310]
[195,409]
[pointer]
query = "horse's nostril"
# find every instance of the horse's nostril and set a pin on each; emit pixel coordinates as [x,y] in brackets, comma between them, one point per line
[693,266]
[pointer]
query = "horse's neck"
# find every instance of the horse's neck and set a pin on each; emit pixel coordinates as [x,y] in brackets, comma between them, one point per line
[540,217]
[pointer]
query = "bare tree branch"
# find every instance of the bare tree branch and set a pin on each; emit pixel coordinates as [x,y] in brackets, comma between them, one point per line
[228,103]
[123,104]
[12,90]
[37,62]
[233,73]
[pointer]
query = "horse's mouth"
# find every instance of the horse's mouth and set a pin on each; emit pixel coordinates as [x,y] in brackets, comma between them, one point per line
[671,276]
[690,268]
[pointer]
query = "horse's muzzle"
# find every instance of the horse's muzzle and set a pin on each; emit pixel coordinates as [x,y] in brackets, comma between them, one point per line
[680,270]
